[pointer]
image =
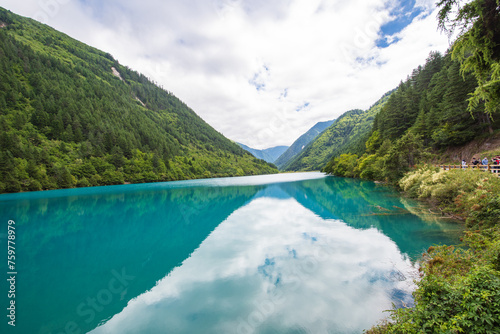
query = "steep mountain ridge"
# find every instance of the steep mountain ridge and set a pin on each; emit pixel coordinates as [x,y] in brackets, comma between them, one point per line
[426,119]
[276,152]
[67,119]
[300,143]
[348,132]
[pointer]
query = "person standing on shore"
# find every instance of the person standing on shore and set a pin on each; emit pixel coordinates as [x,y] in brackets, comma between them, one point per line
[496,162]
[485,161]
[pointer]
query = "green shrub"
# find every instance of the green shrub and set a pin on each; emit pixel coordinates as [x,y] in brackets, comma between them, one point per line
[371,167]
[459,291]
[345,165]
[83,183]
[471,304]
[34,185]
[470,193]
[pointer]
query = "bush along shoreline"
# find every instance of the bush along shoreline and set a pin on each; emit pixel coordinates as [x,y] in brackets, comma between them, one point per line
[459,289]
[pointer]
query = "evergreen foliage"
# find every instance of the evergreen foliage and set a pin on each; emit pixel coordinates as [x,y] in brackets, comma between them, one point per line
[477,46]
[460,287]
[428,112]
[346,135]
[67,120]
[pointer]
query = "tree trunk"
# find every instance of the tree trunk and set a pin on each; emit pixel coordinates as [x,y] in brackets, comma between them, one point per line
[488,120]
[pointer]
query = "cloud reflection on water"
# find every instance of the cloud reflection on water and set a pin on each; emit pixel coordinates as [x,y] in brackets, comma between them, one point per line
[263,271]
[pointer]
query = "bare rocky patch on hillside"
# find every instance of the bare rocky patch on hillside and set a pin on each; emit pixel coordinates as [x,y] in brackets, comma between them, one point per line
[475,148]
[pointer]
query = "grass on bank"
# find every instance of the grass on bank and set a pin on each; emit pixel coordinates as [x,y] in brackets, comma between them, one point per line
[459,291]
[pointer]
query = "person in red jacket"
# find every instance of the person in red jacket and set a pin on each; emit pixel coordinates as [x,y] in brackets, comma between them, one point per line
[496,162]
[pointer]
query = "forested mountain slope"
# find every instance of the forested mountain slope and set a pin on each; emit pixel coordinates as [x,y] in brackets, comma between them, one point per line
[427,113]
[347,133]
[71,115]
[451,101]
[301,142]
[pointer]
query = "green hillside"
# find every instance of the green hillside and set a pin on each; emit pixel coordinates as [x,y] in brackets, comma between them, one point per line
[347,133]
[450,104]
[71,115]
[300,143]
[428,113]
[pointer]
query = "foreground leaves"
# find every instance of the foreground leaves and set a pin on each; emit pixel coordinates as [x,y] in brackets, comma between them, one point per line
[459,291]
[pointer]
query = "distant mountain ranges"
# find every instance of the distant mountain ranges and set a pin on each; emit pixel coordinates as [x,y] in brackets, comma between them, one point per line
[269,154]
[424,115]
[348,133]
[301,143]
[325,140]
[73,116]
[280,155]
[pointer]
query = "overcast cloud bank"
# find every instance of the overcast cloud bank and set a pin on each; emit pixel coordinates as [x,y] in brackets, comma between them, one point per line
[260,72]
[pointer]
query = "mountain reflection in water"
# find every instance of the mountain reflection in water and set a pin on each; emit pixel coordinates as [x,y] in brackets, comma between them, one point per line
[293,253]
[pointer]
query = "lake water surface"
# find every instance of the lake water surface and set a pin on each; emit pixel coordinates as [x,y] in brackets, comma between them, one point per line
[288,253]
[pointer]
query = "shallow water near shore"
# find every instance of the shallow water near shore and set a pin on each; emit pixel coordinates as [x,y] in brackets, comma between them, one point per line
[287,253]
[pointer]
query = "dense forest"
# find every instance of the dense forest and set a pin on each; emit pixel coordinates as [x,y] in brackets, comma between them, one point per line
[450,101]
[427,112]
[348,133]
[71,115]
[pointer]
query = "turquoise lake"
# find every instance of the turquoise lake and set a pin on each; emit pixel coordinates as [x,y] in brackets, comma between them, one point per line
[287,253]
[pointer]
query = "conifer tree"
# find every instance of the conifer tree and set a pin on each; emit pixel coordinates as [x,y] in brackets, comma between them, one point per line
[477,47]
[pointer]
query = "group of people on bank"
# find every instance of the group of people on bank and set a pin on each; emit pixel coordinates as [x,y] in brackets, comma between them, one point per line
[484,162]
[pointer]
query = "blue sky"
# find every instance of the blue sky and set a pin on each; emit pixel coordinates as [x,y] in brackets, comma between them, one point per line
[261,72]
[403,15]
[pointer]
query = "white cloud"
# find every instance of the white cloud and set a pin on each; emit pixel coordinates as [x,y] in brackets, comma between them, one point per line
[213,55]
[250,266]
